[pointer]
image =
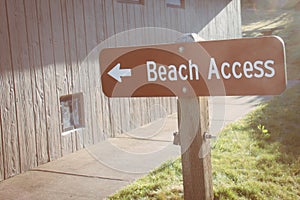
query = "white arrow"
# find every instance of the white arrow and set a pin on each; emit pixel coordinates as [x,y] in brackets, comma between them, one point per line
[118,73]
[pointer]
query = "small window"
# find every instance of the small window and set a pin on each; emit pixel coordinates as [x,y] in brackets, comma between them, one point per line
[132,1]
[175,3]
[72,115]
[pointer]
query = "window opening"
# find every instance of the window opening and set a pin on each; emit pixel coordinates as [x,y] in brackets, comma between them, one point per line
[132,1]
[175,3]
[72,115]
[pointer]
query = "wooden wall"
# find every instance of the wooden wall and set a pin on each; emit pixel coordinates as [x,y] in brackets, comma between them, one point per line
[43,46]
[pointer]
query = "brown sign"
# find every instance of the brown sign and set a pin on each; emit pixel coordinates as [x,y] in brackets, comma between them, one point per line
[248,66]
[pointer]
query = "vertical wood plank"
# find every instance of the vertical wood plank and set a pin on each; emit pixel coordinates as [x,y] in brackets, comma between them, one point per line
[67,142]
[162,10]
[122,104]
[59,47]
[188,17]
[100,20]
[8,125]
[11,159]
[81,53]
[110,31]
[72,71]
[148,14]
[22,78]
[90,42]
[115,116]
[158,20]
[180,22]
[37,82]
[1,147]
[49,74]
[94,71]
[101,36]
[117,104]
[100,98]
[69,42]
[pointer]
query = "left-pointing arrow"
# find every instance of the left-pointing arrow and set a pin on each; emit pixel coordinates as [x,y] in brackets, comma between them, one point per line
[118,73]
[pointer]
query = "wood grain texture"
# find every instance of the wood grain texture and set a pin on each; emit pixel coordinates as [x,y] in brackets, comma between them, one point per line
[9,138]
[88,14]
[49,74]
[196,162]
[67,143]
[83,73]
[43,45]
[22,71]
[120,106]
[37,82]
[101,36]
[1,152]
[63,69]
[113,104]
[93,70]
[72,66]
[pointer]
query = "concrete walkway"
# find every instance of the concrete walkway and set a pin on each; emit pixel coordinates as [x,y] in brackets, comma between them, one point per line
[102,169]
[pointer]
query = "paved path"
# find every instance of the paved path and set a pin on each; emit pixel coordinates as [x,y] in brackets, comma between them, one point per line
[102,169]
[99,170]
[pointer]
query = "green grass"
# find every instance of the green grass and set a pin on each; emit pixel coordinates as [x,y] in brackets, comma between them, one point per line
[161,183]
[254,163]
[257,157]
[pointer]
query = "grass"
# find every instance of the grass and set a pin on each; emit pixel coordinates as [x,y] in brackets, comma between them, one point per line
[257,157]
[261,163]
[158,184]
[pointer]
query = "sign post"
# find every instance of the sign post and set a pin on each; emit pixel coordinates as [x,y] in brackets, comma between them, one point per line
[193,120]
[193,123]
[248,66]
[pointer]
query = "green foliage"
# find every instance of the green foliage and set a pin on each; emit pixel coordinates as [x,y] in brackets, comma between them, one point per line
[165,181]
[264,132]
[266,163]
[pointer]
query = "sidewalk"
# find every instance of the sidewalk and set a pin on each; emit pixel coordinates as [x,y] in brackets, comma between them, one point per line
[104,168]
[100,170]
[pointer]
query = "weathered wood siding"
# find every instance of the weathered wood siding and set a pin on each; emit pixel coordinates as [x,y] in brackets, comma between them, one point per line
[43,45]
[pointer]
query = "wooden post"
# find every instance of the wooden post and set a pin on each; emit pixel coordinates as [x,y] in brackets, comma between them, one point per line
[193,121]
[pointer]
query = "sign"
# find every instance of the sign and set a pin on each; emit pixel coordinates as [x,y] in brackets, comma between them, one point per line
[247,66]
